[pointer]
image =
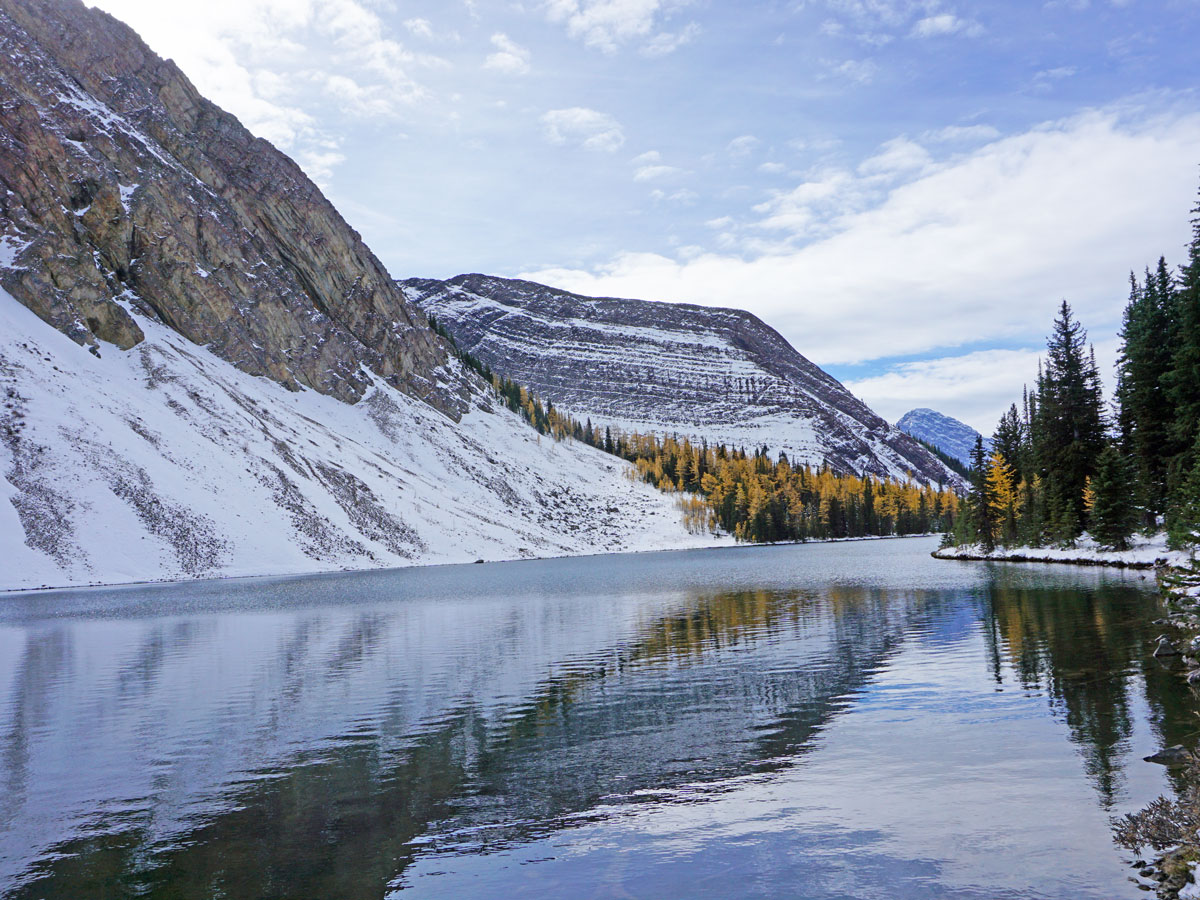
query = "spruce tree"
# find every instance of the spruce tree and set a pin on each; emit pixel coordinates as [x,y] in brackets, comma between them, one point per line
[979,498]
[1183,515]
[1183,382]
[1009,442]
[1143,369]
[1068,427]
[1114,515]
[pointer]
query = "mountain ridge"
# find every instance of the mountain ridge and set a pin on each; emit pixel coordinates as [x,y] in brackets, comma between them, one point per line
[712,373]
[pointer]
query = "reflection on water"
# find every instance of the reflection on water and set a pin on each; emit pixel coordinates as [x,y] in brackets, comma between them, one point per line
[850,720]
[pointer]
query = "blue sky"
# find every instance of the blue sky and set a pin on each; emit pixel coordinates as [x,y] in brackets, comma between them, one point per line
[904,188]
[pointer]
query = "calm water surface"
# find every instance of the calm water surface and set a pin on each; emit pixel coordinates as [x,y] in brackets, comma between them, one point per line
[822,721]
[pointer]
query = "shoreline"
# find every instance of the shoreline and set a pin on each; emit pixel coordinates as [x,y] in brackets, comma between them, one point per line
[1065,561]
[149,582]
[1144,552]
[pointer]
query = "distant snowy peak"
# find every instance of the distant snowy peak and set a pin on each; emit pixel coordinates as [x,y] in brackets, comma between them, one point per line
[704,372]
[952,437]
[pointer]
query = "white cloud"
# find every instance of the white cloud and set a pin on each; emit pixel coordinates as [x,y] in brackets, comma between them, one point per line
[814,206]
[1044,81]
[608,24]
[857,71]
[772,168]
[650,173]
[260,60]
[421,28]
[666,42]
[588,128]
[953,134]
[509,58]
[896,157]
[681,197]
[946,24]
[743,146]
[649,167]
[976,388]
[978,249]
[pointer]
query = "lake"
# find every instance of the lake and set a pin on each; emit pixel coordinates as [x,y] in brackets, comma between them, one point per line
[851,720]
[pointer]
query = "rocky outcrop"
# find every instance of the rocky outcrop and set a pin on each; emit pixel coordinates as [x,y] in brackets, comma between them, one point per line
[123,189]
[718,374]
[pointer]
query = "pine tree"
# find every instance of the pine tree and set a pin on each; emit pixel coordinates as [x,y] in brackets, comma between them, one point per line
[1113,514]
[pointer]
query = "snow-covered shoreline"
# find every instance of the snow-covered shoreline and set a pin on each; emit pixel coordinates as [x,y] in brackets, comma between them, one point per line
[165,463]
[1144,553]
[705,541]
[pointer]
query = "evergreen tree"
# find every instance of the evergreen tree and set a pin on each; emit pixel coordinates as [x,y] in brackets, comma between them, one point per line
[1113,514]
[1068,428]
[1009,442]
[979,498]
[1145,413]
[1183,382]
[1183,516]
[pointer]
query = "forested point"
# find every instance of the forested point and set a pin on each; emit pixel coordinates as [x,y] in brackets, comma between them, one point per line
[1064,462]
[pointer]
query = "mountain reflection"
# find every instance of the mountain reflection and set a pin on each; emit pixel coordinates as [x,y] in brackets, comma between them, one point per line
[319,752]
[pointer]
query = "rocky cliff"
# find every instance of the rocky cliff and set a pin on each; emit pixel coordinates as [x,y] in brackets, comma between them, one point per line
[718,374]
[145,224]
[124,190]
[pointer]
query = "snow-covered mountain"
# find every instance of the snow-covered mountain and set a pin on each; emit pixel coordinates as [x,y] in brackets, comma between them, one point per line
[165,461]
[718,374]
[259,396]
[952,437]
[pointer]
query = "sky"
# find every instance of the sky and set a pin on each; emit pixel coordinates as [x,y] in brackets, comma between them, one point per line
[905,189]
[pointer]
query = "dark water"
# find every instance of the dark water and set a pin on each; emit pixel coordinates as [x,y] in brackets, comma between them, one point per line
[821,721]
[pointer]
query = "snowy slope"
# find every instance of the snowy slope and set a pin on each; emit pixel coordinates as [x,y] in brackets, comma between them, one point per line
[165,461]
[952,437]
[718,374]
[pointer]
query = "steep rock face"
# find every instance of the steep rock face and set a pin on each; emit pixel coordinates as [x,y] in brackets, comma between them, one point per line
[718,374]
[952,437]
[123,189]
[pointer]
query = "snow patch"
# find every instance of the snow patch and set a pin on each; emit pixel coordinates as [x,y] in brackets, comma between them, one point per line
[11,247]
[166,462]
[1144,552]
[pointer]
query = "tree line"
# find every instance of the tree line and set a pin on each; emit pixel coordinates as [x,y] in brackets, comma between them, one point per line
[1065,462]
[755,497]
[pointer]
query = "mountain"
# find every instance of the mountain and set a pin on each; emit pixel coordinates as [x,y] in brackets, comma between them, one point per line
[129,193]
[259,396]
[717,374]
[952,437]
